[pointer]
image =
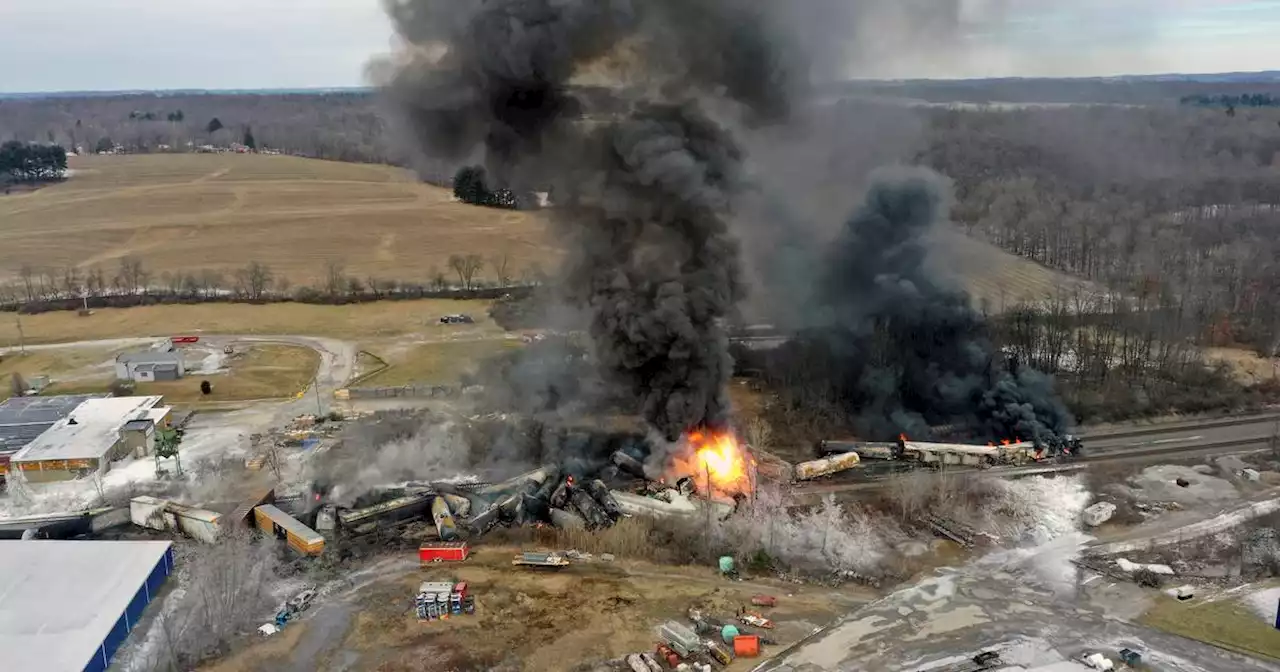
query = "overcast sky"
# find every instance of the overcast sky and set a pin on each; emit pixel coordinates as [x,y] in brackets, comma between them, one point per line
[59,45]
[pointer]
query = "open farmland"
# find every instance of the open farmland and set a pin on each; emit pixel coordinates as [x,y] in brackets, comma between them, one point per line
[189,212]
[181,212]
[355,322]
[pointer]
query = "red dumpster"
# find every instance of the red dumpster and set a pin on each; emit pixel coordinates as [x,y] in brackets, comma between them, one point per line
[450,551]
[764,600]
[746,646]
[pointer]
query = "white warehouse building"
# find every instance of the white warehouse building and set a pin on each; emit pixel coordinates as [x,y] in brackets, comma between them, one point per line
[150,366]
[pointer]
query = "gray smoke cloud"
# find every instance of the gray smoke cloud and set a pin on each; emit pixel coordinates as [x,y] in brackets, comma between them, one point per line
[902,346]
[642,197]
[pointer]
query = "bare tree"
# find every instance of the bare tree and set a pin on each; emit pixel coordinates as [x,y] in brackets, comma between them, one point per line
[133,275]
[438,279]
[17,385]
[334,278]
[226,595]
[28,276]
[466,266]
[211,282]
[502,268]
[72,282]
[271,457]
[253,280]
[95,282]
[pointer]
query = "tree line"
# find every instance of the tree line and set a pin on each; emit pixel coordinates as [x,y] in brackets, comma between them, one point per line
[29,162]
[131,283]
[470,185]
[1232,100]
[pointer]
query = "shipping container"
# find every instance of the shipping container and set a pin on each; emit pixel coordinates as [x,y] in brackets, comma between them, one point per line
[148,512]
[746,646]
[299,537]
[446,551]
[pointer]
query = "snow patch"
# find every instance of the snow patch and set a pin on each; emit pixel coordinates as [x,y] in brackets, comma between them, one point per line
[1263,603]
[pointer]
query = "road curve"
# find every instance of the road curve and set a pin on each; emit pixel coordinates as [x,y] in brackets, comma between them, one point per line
[337,361]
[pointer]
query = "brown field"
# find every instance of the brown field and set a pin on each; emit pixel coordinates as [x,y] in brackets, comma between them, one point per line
[261,372]
[356,322]
[530,620]
[441,362]
[998,279]
[190,211]
[193,211]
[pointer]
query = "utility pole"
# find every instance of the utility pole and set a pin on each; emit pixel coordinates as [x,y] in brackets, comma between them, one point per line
[315,383]
[22,346]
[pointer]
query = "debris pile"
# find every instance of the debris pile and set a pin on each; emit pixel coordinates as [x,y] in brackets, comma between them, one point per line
[702,472]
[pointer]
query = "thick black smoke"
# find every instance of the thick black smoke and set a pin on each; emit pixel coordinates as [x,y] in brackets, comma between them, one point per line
[642,198]
[906,349]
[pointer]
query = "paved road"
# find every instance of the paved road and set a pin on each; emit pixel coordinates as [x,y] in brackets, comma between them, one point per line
[337,366]
[1024,603]
[1184,433]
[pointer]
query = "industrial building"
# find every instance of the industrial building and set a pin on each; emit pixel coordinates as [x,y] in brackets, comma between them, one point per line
[22,419]
[70,605]
[88,439]
[150,366]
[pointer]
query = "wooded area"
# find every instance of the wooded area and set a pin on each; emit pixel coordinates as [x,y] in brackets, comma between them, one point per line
[31,162]
[1170,206]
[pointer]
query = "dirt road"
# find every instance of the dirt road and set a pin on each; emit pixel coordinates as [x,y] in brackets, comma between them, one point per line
[530,620]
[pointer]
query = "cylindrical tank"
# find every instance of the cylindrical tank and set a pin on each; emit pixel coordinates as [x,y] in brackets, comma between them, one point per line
[824,467]
[443,517]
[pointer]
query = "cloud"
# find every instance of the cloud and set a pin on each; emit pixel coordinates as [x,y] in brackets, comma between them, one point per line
[145,44]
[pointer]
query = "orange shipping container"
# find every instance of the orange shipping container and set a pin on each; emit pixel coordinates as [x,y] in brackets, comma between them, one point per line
[746,646]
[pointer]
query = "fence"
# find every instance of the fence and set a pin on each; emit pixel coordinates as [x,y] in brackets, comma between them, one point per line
[414,391]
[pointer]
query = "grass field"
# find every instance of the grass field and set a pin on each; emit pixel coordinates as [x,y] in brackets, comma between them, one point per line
[189,211]
[999,279]
[1222,622]
[193,211]
[356,322]
[261,372]
[435,363]
[80,364]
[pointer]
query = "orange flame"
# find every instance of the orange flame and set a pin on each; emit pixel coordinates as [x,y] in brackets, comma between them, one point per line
[715,457]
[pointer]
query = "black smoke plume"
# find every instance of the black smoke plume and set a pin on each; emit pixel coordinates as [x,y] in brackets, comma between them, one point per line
[901,348]
[641,197]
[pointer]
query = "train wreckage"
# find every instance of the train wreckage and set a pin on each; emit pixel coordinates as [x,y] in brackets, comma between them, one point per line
[545,496]
[710,473]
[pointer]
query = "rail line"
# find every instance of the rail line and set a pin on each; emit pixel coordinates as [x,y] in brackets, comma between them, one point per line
[1182,426]
[1101,455]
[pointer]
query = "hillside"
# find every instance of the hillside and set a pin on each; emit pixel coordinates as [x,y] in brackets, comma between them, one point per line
[186,212]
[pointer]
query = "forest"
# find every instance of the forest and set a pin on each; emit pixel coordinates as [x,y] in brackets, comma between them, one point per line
[1170,207]
[22,162]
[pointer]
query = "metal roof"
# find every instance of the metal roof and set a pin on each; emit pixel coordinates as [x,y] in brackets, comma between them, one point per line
[96,429]
[62,598]
[149,357]
[22,419]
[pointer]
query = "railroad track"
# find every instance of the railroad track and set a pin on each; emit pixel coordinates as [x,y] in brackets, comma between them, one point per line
[1117,454]
[1182,426]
